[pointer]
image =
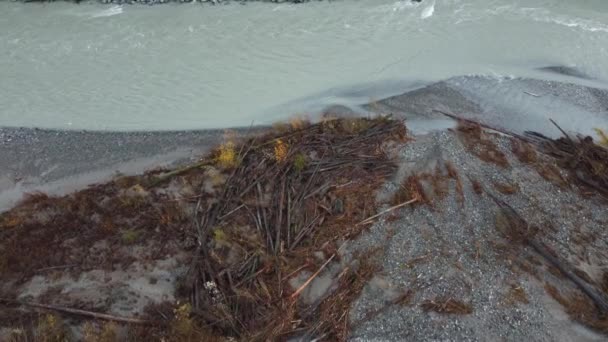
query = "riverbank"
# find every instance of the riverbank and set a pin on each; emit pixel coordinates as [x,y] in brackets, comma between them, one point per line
[57,162]
[277,236]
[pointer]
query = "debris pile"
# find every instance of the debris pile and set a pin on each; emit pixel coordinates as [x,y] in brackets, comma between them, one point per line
[289,198]
[245,221]
[586,161]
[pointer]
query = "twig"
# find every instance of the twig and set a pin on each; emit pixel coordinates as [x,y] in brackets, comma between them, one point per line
[56,267]
[183,198]
[312,277]
[367,220]
[521,227]
[531,94]
[78,312]
[231,212]
[454,116]
[177,172]
[294,272]
[563,132]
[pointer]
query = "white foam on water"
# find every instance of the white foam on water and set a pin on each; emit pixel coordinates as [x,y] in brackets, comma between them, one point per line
[428,11]
[114,10]
[544,15]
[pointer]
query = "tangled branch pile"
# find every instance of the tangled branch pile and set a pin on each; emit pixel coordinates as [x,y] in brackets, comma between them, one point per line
[288,196]
[586,161]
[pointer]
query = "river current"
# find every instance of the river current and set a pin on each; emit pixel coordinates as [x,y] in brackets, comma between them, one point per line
[193,66]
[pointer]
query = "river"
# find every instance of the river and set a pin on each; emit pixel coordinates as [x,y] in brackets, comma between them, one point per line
[193,66]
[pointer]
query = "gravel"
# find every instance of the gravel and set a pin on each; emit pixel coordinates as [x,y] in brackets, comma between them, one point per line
[450,251]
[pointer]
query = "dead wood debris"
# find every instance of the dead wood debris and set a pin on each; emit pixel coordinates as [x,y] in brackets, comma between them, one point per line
[290,194]
[519,231]
[585,161]
[447,306]
[480,144]
[274,200]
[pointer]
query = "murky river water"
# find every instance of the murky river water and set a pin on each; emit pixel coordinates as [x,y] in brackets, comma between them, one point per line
[198,66]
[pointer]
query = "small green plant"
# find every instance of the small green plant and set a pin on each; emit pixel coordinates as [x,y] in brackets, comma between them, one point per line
[129,236]
[299,162]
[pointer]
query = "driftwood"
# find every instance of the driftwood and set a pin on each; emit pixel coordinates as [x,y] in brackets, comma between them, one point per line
[477,123]
[522,231]
[78,312]
[371,218]
[290,194]
[586,161]
[166,176]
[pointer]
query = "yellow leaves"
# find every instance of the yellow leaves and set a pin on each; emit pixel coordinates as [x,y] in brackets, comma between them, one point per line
[227,155]
[138,189]
[10,222]
[603,136]
[182,312]
[182,326]
[281,149]
[298,122]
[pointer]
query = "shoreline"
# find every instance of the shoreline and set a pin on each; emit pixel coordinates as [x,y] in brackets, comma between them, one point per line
[46,159]
[58,162]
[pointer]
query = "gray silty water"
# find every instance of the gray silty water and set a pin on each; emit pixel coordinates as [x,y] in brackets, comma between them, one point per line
[173,67]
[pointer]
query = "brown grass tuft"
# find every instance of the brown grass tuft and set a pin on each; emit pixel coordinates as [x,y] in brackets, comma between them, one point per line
[523,151]
[507,189]
[108,332]
[411,188]
[447,306]
[551,173]
[580,308]
[516,294]
[479,144]
[453,173]
[477,187]
[51,328]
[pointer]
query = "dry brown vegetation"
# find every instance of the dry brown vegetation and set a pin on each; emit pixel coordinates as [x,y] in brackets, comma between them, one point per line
[260,209]
[587,304]
[273,214]
[584,160]
[429,187]
[580,308]
[527,154]
[477,187]
[478,142]
[447,306]
[507,189]
[515,294]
